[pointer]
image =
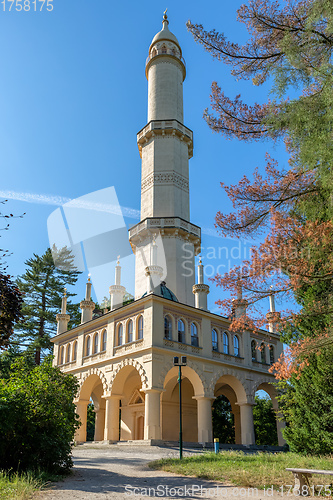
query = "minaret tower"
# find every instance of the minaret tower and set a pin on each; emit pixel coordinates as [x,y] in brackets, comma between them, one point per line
[165,146]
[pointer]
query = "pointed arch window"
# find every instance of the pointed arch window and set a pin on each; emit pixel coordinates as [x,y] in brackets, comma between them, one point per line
[96,343]
[68,353]
[236,346]
[88,346]
[215,345]
[120,334]
[130,331]
[225,343]
[167,328]
[194,335]
[262,354]
[271,354]
[75,351]
[140,328]
[164,49]
[104,340]
[62,350]
[254,350]
[181,331]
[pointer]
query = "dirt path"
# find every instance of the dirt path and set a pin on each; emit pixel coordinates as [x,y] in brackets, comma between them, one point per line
[121,472]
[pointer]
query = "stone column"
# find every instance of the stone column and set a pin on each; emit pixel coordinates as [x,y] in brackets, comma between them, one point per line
[81,432]
[205,424]
[247,427]
[99,424]
[152,414]
[111,427]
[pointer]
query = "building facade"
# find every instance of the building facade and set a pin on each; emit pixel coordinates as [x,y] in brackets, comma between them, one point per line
[124,359]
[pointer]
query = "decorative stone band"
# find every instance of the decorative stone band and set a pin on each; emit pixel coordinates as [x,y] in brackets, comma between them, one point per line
[239,303]
[87,304]
[166,53]
[150,270]
[117,289]
[200,287]
[63,317]
[165,128]
[165,178]
[165,226]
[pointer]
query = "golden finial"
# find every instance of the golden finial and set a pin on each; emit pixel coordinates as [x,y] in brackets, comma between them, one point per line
[89,277]
[118,263]
[165,14]
[200,260]
[65,292]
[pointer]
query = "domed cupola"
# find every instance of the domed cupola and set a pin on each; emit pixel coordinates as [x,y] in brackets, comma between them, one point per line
[165,44]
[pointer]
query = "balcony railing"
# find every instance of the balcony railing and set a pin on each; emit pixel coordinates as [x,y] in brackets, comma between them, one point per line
[162,52]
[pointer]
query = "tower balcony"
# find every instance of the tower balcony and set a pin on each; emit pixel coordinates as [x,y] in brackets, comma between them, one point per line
[166,52]
[165,127]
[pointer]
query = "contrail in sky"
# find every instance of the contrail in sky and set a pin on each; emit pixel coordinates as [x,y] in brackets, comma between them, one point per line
[59,201]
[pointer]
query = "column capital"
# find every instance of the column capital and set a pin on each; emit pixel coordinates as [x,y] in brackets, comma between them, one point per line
[108,395]
[152,390]
[82,402]
[202,397]
[246,403]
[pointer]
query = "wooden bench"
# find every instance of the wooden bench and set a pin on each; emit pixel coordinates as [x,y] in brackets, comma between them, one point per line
[302,479]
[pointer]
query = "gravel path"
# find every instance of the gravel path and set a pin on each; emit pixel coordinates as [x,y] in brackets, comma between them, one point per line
[121,472]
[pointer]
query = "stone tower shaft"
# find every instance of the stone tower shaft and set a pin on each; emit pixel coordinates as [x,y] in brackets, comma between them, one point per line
[165,146]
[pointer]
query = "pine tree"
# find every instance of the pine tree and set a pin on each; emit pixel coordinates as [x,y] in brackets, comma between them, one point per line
[42,286]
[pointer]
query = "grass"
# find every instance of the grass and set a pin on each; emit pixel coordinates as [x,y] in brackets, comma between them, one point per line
[255,470]
[18,486]
[24,486]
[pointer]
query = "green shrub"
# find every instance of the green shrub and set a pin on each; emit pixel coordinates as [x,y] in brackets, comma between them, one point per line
[37,417]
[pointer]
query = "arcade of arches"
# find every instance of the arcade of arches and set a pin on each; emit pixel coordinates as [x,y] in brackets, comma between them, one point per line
[128,410]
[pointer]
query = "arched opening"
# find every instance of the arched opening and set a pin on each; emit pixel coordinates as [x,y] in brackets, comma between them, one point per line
[88,346]
[74,354]
[236,346]
[181,331]
[254,350]
[120,334]
[229,393]
[127,385]
[130,331]
[215,345]
[192,388]
[194,335]
[68,353]
[223,420]
[264,415]
[140,328]
[96,343]
[225,343]
[103,346]
[167,327]
[91,408]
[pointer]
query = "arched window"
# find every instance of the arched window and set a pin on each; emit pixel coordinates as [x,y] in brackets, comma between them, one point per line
[68,353]
[236,345]
[181,331]
[120,334]
[96,343]
[225,343]
[215,345]
[271,354]
[167,328]
[194,335]
[75,351]
[62,350]
[88,345]
[130,331]
[263,354]
[104,340]
[153,52]
[140,328]
[164,49]
[254,350]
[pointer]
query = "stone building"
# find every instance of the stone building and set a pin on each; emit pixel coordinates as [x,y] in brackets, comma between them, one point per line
[124,358]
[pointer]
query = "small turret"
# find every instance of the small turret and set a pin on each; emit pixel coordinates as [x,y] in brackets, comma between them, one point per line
[239,305]
[63,318]
[117,291]
[87,305]
[272,317]
[200,290]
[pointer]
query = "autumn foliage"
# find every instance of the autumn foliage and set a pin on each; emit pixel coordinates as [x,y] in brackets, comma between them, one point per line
[290,45]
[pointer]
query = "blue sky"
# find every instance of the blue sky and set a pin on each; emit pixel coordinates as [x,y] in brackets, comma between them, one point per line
[73,95]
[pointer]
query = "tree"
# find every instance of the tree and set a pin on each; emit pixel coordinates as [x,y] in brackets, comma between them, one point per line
[10,307]
[223,420]
[264,420]
[37,416]
[42,285]
[307,405]
[290,45]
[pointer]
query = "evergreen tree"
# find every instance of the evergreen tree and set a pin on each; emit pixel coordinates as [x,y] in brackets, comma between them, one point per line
[264,420]
[42,286]
[223,420]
